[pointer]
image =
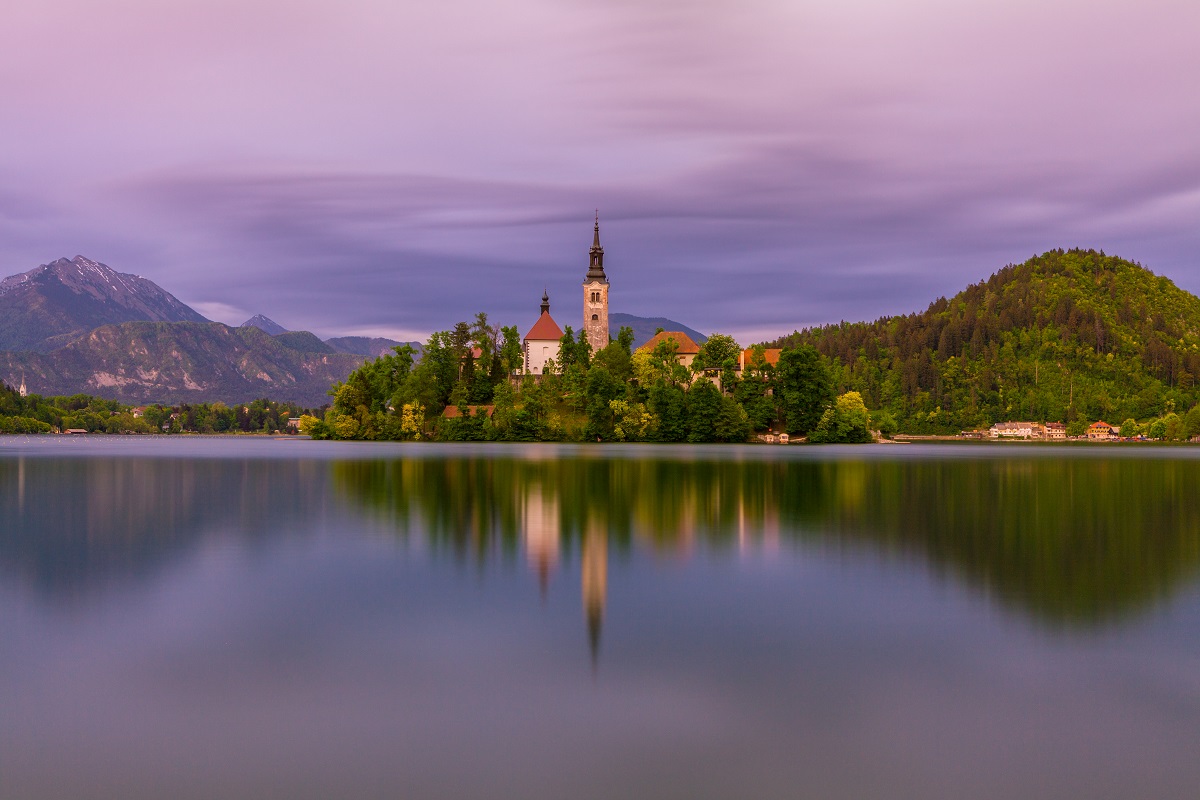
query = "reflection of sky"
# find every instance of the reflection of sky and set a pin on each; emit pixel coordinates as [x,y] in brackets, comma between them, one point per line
[333,664]
[393,168]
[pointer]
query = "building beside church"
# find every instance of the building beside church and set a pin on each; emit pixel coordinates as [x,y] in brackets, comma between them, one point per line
[542,342]
[595,294]
[686,349]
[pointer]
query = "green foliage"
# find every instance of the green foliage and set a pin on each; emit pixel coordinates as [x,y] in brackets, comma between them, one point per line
[846,421]
[1068,335]
[804,387]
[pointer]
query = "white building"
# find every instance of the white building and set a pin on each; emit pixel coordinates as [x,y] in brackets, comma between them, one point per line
[1016,430]
[543,341]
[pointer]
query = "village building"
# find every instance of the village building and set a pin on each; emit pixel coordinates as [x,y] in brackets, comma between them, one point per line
[686,349]
[1016,430]
[1101,431]
[138,411]
[770,356]
[595,295]
[1056,431]
[543,341]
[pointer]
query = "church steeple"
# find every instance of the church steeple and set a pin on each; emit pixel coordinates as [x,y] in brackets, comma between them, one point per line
[595,294]
[545,302]
[596,254]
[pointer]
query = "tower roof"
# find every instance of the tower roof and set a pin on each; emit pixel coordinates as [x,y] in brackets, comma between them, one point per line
[596,255]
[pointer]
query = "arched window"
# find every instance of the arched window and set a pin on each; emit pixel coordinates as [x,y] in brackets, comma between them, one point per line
[595,317]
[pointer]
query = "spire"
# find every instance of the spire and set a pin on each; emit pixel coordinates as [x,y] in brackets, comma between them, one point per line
[596,255]
[545,302]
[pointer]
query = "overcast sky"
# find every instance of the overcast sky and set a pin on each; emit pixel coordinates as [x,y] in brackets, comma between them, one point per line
[385,167]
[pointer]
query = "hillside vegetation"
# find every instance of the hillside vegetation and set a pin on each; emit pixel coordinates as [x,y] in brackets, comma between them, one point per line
[1068,335]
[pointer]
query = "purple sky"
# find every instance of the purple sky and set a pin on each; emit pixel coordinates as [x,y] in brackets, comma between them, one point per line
[391,168]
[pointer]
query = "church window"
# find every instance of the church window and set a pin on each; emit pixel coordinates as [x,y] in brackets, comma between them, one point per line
[595,317]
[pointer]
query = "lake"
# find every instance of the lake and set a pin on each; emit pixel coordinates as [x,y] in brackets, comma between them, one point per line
[195,617]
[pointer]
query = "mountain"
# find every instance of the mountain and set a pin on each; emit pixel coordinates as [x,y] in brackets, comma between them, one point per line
[645,327]
[264,324]
[371,347]
[148,362]
[1065,336]
[39,309]
[302,342]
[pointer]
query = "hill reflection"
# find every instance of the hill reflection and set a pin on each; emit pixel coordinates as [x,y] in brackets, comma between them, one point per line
[1079,541]
[67,525]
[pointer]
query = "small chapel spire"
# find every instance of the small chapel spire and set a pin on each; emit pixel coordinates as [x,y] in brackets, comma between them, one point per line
[545,302]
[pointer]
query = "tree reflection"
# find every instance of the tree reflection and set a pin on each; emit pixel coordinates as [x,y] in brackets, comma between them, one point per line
[1078,541]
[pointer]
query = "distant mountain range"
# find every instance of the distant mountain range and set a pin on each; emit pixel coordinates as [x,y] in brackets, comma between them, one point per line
[79,326]
[644,328]
[148,362]
[371,347]
[268,326]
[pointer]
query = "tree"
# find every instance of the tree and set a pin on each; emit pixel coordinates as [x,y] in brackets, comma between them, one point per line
[732,423]
[803,387]
[602,389]
[719,351]
[667,405]
[847,420]
[703,409]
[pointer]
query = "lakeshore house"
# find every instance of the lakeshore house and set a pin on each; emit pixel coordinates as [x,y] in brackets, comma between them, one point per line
[1056,431]
[1101,431]
[1017,430]
[686,349]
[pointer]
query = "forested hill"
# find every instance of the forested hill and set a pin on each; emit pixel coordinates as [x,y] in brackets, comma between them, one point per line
[1066,336]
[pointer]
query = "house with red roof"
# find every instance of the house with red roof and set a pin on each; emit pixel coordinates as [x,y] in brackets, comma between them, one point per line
[686,349]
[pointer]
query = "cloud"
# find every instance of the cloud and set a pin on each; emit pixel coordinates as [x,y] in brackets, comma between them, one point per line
[758,167]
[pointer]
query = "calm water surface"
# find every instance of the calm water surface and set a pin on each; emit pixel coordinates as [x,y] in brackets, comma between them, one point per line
[199,618]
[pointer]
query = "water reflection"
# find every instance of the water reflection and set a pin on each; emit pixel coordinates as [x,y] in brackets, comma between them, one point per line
[1076,541]
[70,524]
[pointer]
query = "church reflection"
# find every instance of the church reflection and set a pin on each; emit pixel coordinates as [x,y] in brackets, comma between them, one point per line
[541,526]
[1074,542]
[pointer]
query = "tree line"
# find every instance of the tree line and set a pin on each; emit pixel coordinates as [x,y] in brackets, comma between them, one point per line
[37,414]
[613,394]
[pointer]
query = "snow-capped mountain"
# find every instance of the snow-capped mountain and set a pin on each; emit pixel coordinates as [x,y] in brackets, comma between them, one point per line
[73,296]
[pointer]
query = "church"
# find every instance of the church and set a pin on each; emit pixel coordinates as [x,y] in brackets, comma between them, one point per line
[542,341]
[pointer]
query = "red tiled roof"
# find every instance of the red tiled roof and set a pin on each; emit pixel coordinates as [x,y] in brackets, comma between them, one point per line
[545,328]
[686,346]
[770,354]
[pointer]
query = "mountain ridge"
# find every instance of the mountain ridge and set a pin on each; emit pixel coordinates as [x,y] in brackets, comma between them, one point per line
[172,362]
[73,296]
